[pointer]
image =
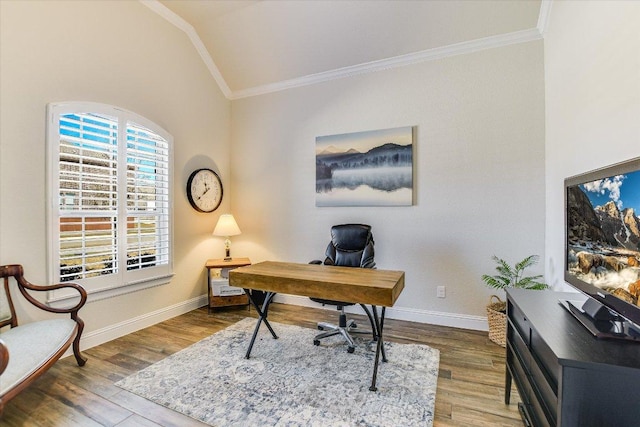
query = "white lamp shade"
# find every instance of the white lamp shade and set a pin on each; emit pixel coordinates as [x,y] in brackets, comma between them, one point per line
[226,226]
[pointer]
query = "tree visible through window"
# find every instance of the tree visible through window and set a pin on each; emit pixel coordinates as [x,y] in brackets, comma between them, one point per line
[110,190]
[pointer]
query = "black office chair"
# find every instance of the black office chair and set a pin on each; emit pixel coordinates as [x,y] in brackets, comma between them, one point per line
[351,246]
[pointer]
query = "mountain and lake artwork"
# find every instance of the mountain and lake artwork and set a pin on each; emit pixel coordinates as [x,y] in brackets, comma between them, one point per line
[603,234]
[371,168]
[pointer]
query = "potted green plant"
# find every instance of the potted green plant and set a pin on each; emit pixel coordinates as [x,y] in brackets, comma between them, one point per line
[513,277]
[508,277]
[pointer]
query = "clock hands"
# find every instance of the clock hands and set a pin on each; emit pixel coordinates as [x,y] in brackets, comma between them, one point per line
[206,188]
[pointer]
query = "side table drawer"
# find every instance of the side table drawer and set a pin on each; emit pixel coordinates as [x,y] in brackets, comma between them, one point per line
[224,301]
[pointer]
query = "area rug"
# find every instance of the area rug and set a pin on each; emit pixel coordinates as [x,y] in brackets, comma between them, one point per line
[291,382]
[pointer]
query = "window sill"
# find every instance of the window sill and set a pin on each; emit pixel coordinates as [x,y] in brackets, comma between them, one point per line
[58,300]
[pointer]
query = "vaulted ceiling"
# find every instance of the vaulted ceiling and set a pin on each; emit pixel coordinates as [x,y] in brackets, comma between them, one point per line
[254,47]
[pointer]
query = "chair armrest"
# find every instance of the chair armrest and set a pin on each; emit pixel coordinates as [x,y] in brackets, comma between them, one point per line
[369,264]
[4,356]
[24,286]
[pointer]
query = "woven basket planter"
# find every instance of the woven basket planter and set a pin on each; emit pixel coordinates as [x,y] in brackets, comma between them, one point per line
[497,318]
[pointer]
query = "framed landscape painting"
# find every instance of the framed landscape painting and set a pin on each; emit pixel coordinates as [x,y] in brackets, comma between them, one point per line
[372,168]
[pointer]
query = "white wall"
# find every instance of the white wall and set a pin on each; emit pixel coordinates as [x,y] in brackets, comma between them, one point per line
[479,173]
[119,53]
[480,187]
[592,98]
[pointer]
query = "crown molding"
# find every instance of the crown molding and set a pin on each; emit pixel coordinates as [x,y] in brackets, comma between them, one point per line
[544,16]
[183,25]
[462,48]
[395,62]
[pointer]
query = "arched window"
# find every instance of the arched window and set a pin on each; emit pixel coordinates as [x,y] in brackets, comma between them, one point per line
[110,207]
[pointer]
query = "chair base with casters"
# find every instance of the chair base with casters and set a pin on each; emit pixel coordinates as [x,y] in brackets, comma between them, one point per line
[345,327]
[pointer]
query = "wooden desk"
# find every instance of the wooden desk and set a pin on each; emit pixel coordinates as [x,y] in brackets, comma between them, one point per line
[348,284]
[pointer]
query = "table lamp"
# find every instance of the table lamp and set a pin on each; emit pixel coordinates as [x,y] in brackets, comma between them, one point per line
[226,227]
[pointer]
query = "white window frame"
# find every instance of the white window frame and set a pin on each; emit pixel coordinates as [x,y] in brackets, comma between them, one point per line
[123,280]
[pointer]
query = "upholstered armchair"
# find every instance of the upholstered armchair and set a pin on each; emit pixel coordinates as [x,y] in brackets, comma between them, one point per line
[28,350]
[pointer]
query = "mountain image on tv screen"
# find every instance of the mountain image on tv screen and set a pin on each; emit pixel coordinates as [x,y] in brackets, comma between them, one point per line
[603,234]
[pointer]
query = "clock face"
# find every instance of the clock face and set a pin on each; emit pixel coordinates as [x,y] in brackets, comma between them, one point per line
[204,190]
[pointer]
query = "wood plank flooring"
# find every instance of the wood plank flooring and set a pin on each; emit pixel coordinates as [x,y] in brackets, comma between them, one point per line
[470,383]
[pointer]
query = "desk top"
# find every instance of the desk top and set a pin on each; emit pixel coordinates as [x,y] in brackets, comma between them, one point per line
[348,284]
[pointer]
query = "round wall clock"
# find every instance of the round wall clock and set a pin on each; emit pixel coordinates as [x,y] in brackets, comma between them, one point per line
[204,190]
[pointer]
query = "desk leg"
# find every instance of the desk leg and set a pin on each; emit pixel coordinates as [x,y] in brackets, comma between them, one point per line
[374,331]
[379,347]
[379,325]
[262,317]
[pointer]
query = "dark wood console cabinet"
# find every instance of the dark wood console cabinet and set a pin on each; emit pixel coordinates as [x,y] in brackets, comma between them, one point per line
[564,375]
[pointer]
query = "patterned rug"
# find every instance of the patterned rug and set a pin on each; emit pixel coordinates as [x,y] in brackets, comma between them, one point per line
[291,382]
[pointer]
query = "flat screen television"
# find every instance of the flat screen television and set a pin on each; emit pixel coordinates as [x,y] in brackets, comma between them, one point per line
[602,248]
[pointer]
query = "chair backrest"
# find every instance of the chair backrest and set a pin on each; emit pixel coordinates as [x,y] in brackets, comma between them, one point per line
[351,246]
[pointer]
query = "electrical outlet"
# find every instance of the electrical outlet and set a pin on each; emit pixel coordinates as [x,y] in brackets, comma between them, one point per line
[441,292]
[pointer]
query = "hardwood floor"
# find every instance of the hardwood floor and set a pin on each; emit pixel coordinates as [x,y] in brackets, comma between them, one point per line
[470,384]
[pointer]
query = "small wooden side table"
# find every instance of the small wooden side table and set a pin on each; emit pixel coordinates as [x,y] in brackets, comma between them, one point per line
[224,267]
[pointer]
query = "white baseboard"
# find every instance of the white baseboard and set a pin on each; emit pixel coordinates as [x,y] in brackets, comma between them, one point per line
[454,320]
[101,336]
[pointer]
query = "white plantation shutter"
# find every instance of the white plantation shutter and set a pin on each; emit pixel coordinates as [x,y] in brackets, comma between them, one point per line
[88,198]
[110,199]
[147,198]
